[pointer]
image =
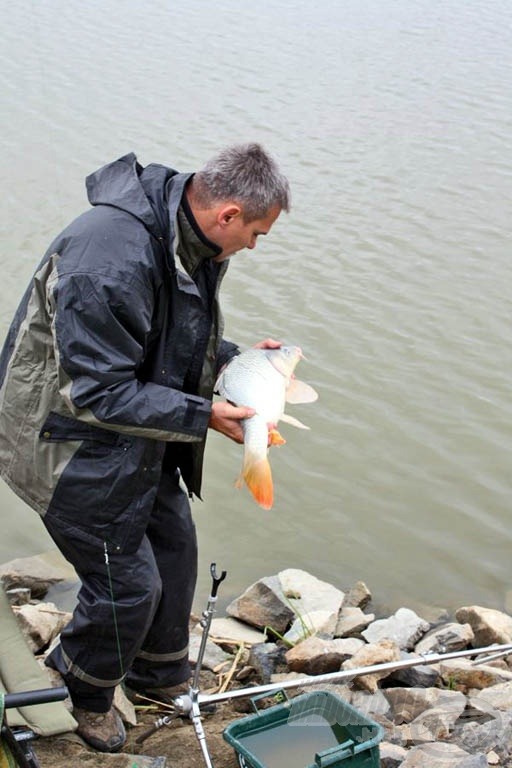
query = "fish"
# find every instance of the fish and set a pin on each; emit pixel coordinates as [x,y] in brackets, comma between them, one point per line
[263,379]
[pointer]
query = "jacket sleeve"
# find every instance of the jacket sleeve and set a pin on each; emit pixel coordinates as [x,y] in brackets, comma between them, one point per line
[227,351]
[100,330]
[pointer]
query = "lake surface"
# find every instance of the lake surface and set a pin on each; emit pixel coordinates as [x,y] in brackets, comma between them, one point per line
[392,120]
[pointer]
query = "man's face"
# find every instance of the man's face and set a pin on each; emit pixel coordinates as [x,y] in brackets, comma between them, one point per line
[234,233]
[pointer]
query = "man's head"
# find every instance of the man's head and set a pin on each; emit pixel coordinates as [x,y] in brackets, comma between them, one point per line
[237,196]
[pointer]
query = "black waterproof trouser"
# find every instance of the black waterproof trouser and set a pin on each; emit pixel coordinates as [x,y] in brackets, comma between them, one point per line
[132,618]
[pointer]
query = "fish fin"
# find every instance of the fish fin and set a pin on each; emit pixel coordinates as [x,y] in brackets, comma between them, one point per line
[300,392]
[293,421]
[258,477]
[276,438]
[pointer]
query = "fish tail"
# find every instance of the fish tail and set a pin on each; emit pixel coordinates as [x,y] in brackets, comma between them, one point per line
[258,477]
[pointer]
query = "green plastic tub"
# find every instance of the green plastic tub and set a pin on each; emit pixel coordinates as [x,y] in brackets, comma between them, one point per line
[314,730]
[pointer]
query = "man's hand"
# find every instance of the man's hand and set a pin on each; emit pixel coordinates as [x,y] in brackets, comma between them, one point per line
[227,419]
[268,344]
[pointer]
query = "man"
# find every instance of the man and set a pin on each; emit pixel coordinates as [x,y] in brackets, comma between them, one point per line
[106,387]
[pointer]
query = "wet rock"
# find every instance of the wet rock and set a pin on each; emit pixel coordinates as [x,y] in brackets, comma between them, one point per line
[489,626]
[263,604]
[317,656]
[404,628]
[446,638]
[351,621]
[368,655]
[32,573]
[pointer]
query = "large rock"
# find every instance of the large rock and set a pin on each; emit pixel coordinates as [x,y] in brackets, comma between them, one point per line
[446,639]
[404,628]
[351,621]
[420,676]
[263,604]
[484,737]
[391,755]
[464,674]
[311,623]
[213,655]
[235,631]
[305,593]
[489,626]
[32,573]
[442,755]
[317,656]
[358,596]
[40,623]
[498,697]
[267,659]
[369,655]
[407,704]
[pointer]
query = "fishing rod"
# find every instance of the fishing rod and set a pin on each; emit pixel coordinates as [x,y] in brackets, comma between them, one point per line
[349,674]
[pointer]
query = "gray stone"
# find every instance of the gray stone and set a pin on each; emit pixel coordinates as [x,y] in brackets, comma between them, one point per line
[442,755]
[370,655]
[404,628]
[493,734]
[497,697]
[358,596]
[40,624]
[489,626]
[267,659]
[317,656]
[370,704]
[436,723]
[407,704]
[421,676]
[235,631]
[311,623]
[464,674]
[445,639]
[213,655]
[19,595]
[351,621]
[305,593]
[263,604]
[391,755]
[32,573]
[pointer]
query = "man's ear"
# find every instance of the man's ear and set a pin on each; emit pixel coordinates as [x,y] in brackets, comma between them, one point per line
[227,213]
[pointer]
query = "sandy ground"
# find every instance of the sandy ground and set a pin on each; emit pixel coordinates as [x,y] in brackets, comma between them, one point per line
[177,742]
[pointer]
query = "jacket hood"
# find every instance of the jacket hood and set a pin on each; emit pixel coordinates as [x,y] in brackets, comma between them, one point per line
[140,191]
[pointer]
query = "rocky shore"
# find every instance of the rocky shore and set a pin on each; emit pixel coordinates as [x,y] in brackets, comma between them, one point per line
[288,626]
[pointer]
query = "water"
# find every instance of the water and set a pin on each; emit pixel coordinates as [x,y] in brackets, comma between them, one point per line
[392,120]
[294,744]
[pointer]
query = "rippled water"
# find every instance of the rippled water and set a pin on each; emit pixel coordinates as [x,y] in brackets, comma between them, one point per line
[392,120]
